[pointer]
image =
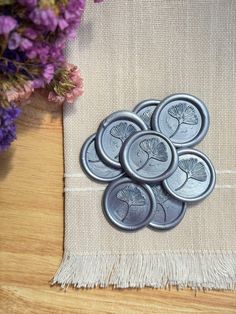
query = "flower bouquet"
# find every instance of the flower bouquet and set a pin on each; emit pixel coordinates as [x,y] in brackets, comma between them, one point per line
[33,34]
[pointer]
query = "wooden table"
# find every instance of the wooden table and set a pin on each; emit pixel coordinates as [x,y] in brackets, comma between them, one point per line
[31,226]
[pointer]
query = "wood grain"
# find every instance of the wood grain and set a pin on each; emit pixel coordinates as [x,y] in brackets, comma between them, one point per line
[31,228]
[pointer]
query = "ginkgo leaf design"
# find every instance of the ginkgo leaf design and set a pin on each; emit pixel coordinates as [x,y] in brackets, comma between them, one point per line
[161,197]
[184,114]
[132,196]
[92,155]
[122,131]
[154,150]
[194,169]
[146,117]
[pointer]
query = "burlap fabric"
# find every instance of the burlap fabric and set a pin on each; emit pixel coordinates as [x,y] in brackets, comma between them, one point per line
[131,50]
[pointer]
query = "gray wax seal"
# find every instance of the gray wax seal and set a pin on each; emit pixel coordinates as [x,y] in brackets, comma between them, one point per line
[93,165]
[194,179]
[145,109]
[129,205]
[112,133]
[183,118]
[148,157]
[168,212]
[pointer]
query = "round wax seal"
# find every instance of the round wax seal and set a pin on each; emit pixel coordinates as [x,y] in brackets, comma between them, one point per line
[129,205]
[93,166]
[194,179]
[145,109]
[112,133]
[148,157]
[168,212]
[182,118]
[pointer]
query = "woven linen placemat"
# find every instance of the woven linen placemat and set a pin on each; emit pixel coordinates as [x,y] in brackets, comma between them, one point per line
[132,50]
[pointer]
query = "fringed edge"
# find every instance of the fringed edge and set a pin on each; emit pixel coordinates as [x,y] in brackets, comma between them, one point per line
[203,270]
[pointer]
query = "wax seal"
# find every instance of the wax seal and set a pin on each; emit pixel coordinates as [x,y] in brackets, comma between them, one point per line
[145,109]
[194,179]
[94,166]
[148,157]
[183,118]
[168,212]
[112,133]
[128,205]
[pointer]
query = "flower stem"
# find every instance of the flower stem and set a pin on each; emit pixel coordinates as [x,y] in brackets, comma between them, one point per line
[143,164]
[185,181]
[177,129]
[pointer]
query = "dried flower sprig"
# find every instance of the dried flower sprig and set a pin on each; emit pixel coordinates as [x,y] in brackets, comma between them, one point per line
[66,85]
[33,34]
[7,125]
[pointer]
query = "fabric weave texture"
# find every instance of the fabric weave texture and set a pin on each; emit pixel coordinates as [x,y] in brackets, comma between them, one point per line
[132,50]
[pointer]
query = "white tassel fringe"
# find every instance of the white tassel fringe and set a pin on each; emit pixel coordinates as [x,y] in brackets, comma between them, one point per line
[198,270]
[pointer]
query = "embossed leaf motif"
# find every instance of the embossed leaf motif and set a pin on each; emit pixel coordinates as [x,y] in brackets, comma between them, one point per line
[194,169]
[161,197]
[122,131]
[92,155]
[154,150]
[132,196]
[146,117]
[184,114]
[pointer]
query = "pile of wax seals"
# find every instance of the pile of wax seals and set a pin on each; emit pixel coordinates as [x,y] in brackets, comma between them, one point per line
[146,157]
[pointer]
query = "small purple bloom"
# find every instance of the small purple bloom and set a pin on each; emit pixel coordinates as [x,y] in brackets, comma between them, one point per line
[25,44]
[69,16]
[70,32]
[38,83]
[45,18]
[62,23]
[31,54]
[7,24]
[11,67]
[28,3]
[48,72]
[14,41]
[60,42]
[7,126]
[43,54]
[30,33]
[14,55]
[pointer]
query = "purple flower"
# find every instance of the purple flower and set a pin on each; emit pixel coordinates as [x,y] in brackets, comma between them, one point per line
[71,32]
[28,3]
[16,55]
[74,11]
[31,54]
[48,72]
[7,24]
[38,83]
[25,44]
[30,33]
[7,67]
[45,18]
[62,23]
[7,126]
[14,41]
[76,6]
